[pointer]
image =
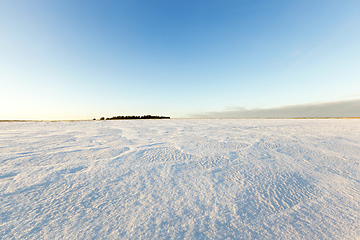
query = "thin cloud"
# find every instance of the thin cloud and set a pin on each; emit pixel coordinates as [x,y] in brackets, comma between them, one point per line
[349,108]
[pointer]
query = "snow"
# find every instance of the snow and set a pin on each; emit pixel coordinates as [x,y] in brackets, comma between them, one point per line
[187,179]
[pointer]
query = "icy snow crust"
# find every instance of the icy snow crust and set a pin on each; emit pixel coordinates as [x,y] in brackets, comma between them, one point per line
[175,179]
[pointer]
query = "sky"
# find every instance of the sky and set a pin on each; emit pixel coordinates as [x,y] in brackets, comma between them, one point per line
[65,59]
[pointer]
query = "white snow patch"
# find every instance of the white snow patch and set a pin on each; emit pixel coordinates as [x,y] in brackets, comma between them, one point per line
[192,179]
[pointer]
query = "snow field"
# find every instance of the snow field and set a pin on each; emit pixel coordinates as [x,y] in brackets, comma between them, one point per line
[180,179]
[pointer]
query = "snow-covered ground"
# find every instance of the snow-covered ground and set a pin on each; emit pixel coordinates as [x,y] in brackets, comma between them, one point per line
[192,179]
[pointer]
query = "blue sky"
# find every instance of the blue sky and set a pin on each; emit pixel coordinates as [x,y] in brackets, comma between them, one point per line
[85,59]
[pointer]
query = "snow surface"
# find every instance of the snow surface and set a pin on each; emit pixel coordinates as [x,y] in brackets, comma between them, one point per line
[192,179]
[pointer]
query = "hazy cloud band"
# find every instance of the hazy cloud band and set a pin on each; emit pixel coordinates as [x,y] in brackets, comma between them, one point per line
[349,108]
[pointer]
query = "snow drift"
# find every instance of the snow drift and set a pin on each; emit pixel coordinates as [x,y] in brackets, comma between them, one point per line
[192,179]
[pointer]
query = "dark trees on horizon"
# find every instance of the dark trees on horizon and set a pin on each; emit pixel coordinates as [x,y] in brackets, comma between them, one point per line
[135,117]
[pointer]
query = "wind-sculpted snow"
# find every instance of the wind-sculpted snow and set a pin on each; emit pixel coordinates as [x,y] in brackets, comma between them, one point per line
[180,179]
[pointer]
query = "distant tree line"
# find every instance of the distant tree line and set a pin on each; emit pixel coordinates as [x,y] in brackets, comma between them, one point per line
[134,117]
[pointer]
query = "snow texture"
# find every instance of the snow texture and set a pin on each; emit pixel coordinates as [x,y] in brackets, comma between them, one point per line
[180,179]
